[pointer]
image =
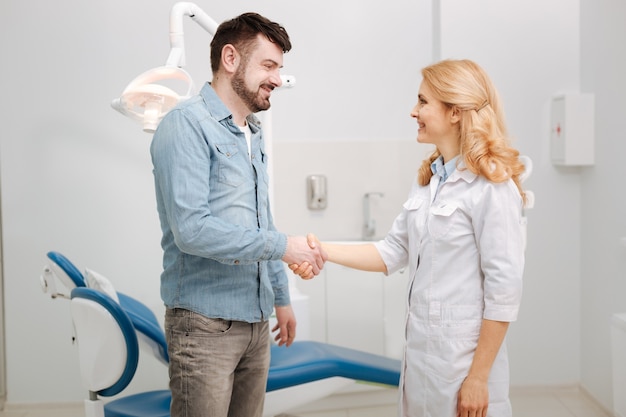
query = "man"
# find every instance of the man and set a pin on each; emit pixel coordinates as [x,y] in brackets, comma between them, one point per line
[222,254]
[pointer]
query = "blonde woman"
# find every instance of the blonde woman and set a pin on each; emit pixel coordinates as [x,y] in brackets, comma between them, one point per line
[460,234]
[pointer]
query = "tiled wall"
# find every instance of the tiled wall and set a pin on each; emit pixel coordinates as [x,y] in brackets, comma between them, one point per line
[352,168]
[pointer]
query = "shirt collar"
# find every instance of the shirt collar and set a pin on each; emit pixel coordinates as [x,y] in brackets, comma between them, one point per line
[443,170]
[219,110]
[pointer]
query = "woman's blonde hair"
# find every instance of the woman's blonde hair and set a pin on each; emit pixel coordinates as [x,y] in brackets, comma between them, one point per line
[485,147]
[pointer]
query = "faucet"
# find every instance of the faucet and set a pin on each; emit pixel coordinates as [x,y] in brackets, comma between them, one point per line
[369,223]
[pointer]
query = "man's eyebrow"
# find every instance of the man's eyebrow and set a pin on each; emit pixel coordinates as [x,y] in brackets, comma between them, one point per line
[273,62]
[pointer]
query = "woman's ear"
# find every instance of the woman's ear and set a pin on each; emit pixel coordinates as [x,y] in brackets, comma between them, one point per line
[455,115]
[230,58]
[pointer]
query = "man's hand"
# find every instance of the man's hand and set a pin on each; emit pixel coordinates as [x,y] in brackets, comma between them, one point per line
[305,270]
[286,325]
[300,251]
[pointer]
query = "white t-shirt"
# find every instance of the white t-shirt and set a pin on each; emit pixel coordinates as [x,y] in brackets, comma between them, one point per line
[248,133]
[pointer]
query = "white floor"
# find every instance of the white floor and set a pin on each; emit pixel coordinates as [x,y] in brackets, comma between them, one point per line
[527,402]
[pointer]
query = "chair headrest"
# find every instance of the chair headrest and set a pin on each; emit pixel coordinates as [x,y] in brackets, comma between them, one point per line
[66,270]
[60,269]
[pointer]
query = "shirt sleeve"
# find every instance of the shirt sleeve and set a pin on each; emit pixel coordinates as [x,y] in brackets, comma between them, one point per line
[498,229]
[394,248]
[278,274]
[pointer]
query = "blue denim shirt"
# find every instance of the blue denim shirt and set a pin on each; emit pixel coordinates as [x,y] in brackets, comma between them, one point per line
[222,253]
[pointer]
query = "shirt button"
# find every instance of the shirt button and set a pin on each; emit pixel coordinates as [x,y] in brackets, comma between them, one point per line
[236,261]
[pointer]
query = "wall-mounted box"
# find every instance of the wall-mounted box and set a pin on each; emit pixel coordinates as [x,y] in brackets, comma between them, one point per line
[317,192]
[572,129]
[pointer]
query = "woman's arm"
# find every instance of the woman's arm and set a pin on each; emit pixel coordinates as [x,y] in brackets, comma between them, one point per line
[474,394]
[363,256]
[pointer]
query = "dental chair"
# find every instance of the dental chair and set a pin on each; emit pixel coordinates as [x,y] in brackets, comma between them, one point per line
[108,333]
[60,269]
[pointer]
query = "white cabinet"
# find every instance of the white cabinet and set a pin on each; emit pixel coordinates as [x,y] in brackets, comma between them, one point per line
[572,129]
[356,309]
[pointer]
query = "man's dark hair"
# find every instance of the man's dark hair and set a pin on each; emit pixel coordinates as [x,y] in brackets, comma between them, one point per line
[242,31]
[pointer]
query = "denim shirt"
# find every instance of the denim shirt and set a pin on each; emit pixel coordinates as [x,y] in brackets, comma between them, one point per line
[221,251]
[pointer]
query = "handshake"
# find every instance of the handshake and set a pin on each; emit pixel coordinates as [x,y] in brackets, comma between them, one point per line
[305,255]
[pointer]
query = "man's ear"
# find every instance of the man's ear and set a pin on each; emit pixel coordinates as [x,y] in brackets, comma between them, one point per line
[230,58]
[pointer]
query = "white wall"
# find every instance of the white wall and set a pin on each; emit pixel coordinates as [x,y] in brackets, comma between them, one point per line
[76,176]
[603,204]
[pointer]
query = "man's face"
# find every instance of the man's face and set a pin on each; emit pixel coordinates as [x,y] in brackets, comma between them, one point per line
[258,74]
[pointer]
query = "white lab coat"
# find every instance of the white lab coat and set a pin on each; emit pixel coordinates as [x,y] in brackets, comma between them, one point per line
[465,254]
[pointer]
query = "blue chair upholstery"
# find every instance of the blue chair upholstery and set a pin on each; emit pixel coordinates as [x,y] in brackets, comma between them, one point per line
[145,404]
[145,322]
[70,269]
[309,361]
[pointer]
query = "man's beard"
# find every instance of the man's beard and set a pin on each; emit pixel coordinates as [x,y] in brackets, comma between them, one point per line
[251,99]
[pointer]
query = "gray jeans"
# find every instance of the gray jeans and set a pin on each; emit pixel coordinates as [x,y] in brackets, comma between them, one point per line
[218,368]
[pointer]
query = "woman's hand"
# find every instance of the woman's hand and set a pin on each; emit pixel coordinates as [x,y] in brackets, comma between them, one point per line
[304,270]
[473,398]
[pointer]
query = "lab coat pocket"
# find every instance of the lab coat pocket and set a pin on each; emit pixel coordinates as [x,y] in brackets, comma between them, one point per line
[441,218]
[413,203]
[453,361]
[453,340]
[415,214]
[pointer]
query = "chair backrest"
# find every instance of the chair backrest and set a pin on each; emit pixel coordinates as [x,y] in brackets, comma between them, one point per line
[108,348]
[148,327]
[60,268]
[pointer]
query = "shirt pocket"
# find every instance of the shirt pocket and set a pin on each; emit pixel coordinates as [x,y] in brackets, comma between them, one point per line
[441,218]
[230,168]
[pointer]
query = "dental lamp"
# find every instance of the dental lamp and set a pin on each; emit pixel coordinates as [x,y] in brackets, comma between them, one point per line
[149,97]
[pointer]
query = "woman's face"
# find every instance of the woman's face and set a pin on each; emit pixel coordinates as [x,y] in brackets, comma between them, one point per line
[437,122]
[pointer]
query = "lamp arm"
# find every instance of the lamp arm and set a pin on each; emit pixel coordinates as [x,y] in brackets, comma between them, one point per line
[177,42]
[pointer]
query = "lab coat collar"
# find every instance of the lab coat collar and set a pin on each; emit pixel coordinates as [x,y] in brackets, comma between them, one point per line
[462,173]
